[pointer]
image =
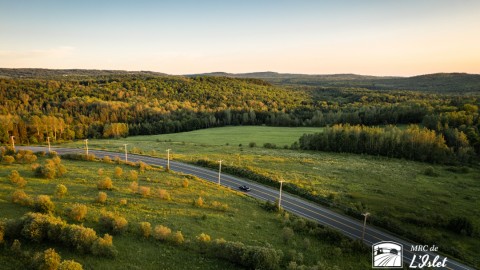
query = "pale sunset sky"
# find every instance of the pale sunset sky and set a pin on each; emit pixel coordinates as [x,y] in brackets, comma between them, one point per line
[370,37]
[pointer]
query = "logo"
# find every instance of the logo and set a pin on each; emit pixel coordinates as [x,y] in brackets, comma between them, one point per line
[387,254]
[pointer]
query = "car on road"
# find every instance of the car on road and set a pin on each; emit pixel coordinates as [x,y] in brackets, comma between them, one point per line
[244,188]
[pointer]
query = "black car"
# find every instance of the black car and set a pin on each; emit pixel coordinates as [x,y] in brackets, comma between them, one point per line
[244,188]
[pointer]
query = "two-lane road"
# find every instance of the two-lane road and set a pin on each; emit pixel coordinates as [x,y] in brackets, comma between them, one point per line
[302,207]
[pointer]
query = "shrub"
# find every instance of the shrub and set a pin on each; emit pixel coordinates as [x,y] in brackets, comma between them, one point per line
[252,144]
[29,158]
[113,223]
[61,191]
[107,159]
[44,204]
[270,145]
[198,202]
[133,175]
[177,238]
[100,171]
[49,260]
[20,197]
[185,183]
[102,197]
[78,211]
[123,201]
[287,234]
[105,183]
[16,179]
[145,191]
[203,238]
[8,159]
[104,247]
[220,206]
[161,232]
[51,169]
[142,166]
[145,229]
[134,187]
[163,194]
[118,172]
[70,265]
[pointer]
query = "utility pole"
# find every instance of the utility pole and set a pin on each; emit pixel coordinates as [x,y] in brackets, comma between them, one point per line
[364,224]
[48,140]
[86,145]
[280,194]
[126,155]
[13,142]
[219,170]
[168,159]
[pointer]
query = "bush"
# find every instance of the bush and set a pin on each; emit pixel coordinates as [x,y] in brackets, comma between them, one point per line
[198,202]
[145,229]
[270,145]
[134,187]
[220,206]
[61,191]
[123,201]
[49,260]
[105,183]
[78,212]
[161,232]
[70,265]
[177,238]
[203,238]
[252,144]
[145,191]
[287,234]
[133,175]
[102,197]
[113,223]
[118,172]
[104,247]
[163,194]
[20,197]
[107,159]
[51,169]
[100,171]
[16,179]
[430,171]
[8,160]
[44,204]
[185,183]
[29,158]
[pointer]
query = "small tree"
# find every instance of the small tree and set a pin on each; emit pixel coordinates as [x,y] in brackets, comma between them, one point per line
[102,197]
[198,202]
[163,194]
[49,260]
[185,183]
[20,197]
[70,265]
[287,234]
[61,191]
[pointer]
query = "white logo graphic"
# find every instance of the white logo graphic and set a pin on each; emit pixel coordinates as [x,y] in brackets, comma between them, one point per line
[387,254]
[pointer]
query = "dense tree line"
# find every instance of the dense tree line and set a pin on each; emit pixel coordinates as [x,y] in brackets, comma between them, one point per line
[413,143]
[109,106]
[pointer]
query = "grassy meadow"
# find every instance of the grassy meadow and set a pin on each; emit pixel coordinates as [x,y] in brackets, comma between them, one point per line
[412,195]
[240,218]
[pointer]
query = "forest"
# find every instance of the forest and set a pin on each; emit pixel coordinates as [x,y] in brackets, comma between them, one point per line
[108,104]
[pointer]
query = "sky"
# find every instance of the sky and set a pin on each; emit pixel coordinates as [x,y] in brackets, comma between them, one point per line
[370,37]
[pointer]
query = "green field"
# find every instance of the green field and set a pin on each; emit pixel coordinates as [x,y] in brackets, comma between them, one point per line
[243,220]
[394,189]
[235,135]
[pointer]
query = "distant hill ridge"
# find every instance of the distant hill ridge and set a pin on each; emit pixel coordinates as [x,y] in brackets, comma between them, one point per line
[437,82]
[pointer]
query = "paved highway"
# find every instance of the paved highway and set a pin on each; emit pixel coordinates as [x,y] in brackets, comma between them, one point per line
[347,225]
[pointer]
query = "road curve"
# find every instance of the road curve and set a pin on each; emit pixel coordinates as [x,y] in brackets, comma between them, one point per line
[302,207]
